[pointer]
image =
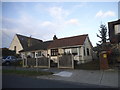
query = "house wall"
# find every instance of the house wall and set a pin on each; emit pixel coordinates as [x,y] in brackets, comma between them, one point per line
[62,50]
[33,54]
[86,45]
[16,42]
[80,57]
[113,35]
[54,58]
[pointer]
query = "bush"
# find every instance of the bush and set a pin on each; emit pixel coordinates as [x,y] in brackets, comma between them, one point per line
[113,57]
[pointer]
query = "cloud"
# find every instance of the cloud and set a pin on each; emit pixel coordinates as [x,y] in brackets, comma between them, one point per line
[28,25]
[58,12]
[105,14]
[73,22]
[7,36]
[47,23]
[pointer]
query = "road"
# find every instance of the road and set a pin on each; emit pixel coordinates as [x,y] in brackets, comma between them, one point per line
[17,81]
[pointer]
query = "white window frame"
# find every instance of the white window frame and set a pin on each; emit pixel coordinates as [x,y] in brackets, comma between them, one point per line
[37,54]
[117,29]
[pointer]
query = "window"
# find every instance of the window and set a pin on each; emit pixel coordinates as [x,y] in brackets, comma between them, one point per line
[117,28]
[84,52]
[88,52]
[54,52]
[14,48]
[67,51]
[12,57]
[74,51]
[8,57]
[39,53]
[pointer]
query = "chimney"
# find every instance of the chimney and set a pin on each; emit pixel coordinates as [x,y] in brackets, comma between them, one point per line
[29,41]
[54,38]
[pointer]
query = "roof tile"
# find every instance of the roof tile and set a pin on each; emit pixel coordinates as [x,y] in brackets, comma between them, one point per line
[69,41]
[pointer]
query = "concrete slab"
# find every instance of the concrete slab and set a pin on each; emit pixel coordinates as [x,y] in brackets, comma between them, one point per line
[110,78]
[64,74]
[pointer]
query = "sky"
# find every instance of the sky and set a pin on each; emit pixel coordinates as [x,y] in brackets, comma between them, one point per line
[43,20]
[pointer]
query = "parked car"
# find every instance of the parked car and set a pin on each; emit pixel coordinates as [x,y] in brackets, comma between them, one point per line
[8,60]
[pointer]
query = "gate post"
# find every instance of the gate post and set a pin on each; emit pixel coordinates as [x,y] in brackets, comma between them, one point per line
[72,62]
[103,60]
[23,62]
[58,62]
[36,62]
[48,61]
[26,62]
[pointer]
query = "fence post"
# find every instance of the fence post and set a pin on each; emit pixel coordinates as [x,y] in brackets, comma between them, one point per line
[72,62]
[49,61]
[58,62]
[36,62]
[26,62]
[23,62]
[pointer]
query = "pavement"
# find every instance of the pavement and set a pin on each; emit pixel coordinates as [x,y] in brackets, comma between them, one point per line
[97,77]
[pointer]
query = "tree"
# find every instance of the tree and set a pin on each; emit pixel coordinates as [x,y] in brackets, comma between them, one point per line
[7,52]
[103,33]
[103,36]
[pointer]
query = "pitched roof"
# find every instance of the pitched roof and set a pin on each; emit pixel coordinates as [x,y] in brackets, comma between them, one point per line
[39,46]
[69,41]
[115,22]
[24,41]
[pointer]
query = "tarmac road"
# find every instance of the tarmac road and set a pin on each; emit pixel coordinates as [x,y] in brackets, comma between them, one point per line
[17,81]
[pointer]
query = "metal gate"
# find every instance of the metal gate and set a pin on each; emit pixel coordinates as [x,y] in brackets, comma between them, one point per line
[65,61]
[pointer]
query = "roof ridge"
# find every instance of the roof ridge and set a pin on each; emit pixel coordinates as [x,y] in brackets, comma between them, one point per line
[28,37]
[72,36]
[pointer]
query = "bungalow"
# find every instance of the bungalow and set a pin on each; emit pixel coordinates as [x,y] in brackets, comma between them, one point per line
[80,46]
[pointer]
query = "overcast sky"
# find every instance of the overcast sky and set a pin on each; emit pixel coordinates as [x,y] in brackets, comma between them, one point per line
[43,20]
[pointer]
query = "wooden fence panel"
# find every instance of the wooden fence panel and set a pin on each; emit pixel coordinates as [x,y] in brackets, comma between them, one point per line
[43,62]
[31,62]
[65,61]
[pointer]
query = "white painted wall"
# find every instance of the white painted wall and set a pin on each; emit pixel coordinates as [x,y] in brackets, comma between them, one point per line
[33,54]
[16,42]
[80,50]
[87,44]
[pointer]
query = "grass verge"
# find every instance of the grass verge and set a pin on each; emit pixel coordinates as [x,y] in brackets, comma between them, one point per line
[26,73]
